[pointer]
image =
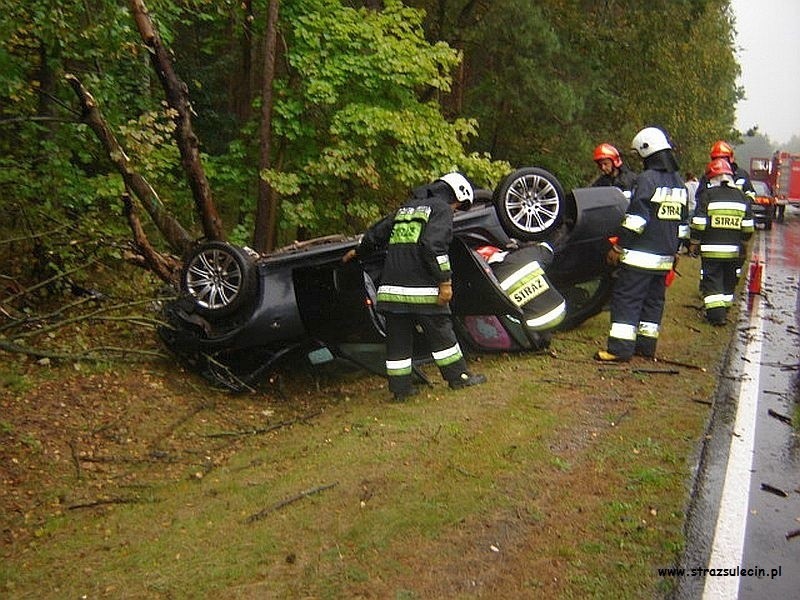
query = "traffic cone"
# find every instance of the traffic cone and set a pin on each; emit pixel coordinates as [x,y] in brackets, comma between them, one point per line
[754,280]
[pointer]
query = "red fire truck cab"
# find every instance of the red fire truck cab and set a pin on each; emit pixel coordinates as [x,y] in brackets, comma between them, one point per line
[781,172]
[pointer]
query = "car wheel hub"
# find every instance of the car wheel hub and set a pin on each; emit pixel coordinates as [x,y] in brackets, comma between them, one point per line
[214,279]
[532,204]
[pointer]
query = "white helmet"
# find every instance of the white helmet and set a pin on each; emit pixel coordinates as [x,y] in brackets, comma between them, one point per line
[460,186]
[649,141]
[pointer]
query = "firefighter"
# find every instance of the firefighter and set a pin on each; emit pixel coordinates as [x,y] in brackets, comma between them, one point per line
[521,275]
[741,179]
[656,219]
[614,171]
[722,223]
[416,288]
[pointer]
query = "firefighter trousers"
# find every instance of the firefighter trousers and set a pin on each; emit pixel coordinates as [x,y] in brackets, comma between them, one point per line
[637,306]
[438,332]
[719,284]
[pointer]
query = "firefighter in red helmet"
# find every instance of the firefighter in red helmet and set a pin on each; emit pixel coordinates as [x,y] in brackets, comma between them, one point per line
[721,225]
[614,172]
[522,275]
[741,179]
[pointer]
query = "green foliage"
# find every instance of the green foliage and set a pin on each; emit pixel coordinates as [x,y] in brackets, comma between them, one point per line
[356,79]
[549,80]
[366,104]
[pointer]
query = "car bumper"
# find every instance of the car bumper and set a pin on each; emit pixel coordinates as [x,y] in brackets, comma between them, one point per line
[763,212]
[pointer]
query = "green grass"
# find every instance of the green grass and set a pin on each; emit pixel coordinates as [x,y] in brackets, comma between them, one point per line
[558,478]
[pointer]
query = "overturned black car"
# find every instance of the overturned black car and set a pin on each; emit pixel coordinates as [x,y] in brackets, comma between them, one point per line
[239,313]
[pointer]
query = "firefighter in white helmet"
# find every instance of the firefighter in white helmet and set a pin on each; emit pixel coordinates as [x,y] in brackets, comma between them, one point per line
[648,241]
[415,287]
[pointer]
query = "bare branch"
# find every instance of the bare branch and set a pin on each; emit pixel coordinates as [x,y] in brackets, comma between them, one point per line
[166,267]
[178,98]
[278,505]
[177,237]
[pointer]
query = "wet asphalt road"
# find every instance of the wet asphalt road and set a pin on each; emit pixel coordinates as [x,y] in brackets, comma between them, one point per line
[745,510]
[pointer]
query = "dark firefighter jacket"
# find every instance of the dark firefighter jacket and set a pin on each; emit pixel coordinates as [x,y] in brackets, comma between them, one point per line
[521,275]
[624,179]
[656,218]
[417,240]
[740,179]
[722,221]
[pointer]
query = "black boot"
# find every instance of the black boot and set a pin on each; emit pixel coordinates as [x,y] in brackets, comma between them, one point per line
[467,379]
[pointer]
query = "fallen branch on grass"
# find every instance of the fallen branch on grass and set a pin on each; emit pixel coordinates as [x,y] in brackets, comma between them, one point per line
[106,501]
[278,505]
[655,371]
[259,431]
[678,363]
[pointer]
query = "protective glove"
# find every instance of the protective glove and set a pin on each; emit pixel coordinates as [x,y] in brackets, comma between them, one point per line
[694,249]
[445,293]
[349,255]
[613,256]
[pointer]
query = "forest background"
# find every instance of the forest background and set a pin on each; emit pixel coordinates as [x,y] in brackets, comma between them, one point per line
[310,117]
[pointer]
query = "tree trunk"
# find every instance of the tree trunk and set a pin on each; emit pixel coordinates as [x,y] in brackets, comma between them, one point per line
[178,98]
[166,267]
[266,226]
[175,235]
[242,80]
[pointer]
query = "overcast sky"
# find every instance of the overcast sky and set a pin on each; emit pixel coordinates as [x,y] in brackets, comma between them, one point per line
[768,39]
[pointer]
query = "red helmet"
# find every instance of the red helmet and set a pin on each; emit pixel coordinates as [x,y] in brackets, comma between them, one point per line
[487,251]
[722,149]
[608,151]
[492,254]
[718,166]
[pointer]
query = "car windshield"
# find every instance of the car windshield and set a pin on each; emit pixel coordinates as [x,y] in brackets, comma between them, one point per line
[761,188]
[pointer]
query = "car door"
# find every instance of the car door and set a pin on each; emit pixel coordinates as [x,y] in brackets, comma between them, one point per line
[484,317]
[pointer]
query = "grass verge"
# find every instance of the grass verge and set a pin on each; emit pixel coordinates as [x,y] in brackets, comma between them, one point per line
[558,478]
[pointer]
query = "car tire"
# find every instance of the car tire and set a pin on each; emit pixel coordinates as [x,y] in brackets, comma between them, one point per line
[530,204]
[220,279]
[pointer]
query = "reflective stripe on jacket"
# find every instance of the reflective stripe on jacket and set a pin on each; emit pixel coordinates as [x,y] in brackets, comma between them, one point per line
[723,220]
[656,219]
[417,241]
[521,275]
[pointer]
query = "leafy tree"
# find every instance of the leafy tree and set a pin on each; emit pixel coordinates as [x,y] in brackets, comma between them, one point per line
[355,135]
[551,79]
[365,105]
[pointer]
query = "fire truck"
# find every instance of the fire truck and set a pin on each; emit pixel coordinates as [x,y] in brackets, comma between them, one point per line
[782,173]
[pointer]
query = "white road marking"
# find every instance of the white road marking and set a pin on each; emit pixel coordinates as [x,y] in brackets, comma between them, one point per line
[728,545]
